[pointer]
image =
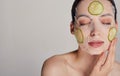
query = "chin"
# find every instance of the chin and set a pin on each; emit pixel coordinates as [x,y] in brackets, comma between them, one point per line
[95,52]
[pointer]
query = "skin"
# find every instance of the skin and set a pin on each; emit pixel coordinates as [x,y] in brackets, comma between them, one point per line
[83,62]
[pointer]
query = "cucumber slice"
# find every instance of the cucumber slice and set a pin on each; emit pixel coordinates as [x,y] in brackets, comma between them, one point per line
[79,35]
[95,8]
[112,33]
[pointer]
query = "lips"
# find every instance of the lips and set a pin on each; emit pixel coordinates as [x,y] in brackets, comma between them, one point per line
[96,44]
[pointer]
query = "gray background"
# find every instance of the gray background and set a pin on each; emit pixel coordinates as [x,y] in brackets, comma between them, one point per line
[33,30]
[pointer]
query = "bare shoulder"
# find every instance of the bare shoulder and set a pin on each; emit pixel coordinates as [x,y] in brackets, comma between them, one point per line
[54,66]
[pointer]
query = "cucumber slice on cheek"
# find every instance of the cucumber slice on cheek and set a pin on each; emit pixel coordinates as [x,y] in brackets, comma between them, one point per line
[95,8]
[79,35]
[112,33]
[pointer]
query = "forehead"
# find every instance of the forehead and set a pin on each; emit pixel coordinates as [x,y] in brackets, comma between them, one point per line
[82,7]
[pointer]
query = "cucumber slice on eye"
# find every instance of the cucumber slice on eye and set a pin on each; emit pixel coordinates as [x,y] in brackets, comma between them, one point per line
[95,8]
[79,35]
[112,33]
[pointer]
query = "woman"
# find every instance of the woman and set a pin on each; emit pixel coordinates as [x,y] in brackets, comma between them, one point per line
[94,25]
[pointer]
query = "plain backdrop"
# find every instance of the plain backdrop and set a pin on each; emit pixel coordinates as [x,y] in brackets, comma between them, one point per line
[32,31]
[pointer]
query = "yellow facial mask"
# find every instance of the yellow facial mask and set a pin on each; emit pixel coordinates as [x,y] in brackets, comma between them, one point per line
[95,8]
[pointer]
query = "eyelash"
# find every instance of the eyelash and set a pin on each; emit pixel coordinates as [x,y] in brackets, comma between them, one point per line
[107,23]
[83,24]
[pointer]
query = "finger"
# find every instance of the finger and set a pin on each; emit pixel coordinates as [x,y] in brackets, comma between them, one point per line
[112,46]
[111,51]
[111,55]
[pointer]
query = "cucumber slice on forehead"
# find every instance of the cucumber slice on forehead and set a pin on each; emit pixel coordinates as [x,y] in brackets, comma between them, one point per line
[95,8]
[112,33]
[79,35]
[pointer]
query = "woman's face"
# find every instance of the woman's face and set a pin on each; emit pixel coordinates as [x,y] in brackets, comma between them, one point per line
[94,29]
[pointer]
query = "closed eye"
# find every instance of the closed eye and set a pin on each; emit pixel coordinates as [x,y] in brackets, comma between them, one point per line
[107,23]
[83,24]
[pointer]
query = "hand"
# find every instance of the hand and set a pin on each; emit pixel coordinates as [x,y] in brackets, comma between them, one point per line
[105,63]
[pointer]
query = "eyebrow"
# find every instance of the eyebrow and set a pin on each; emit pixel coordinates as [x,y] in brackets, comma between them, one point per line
[82,15]
[108,14]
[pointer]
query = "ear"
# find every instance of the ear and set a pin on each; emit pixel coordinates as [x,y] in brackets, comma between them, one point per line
[72,27]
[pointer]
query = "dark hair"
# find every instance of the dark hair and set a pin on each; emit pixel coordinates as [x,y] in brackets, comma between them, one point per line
[76,2]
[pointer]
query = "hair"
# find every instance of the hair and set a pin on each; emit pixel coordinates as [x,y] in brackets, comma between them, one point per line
[76,2]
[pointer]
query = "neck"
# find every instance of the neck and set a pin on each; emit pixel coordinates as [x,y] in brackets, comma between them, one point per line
[86,60]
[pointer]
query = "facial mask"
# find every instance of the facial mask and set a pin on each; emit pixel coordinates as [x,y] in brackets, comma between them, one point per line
[95,8]
[112,33]
[79,35]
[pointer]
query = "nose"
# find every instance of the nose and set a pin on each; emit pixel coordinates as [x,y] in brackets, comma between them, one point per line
[94,30]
